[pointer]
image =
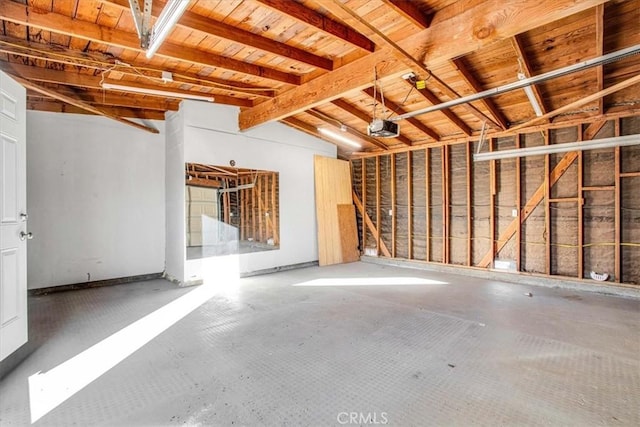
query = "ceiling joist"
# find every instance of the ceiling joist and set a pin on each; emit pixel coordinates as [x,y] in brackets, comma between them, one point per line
[100,61]
[450,115]
[45,103]
[411,12]
[228,32]
[471,80]
[61,24]
[323,23]
[80,104]
[94,82]
[479,25]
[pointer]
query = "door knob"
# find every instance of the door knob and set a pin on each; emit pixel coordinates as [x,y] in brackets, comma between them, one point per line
[24,216]
[27,236]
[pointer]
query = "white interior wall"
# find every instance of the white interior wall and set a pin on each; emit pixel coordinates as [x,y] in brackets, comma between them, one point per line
[95,197]
[211,136]
[175,254]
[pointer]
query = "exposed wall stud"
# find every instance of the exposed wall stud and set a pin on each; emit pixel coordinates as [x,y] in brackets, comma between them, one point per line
[393,205]
[547,207]
[617,226]
[580,259]
[363,186]
[518,140]
[409,207]
[378,219]
[427,203]
[469,147]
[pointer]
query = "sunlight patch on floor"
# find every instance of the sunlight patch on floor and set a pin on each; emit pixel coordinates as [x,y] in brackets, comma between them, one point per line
[48,390]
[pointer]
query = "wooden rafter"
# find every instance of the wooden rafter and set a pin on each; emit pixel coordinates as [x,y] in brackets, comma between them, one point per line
[113,100]
[479,25]
[100,61]
[587,99]
[354,111]
[61,24]
[525,68]
[46,103]
[53,94]
[410,11]
[599,11]
[229,32]
[472,81]
[40,74]
[202,182]
[332,85]
[321,22]
[344,12]
[399,110]
[450,115]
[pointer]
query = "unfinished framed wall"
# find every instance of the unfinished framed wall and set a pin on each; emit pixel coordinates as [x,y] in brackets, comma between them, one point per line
[562,214]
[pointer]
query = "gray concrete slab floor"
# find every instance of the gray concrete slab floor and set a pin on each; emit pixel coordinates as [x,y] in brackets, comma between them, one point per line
[351,344]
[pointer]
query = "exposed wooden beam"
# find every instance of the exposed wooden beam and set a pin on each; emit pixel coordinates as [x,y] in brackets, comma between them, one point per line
[399,110]
[599,11]
[49,92]
[323,23]
[410,11]
[472,81]
[113,100]
[54,106]
[525,67]
[331,121]
[100,61]
[332,85]
[450,115]
[587,99]
[354,111]
[48,75]
[348,15]
[479,25]
[201,182]
[200,23]
[62,24]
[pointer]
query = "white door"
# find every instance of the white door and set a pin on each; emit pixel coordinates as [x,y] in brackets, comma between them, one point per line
[13,216]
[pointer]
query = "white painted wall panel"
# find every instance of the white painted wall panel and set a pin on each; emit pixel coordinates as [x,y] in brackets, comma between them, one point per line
[211,138]
[96,199]
[176,251]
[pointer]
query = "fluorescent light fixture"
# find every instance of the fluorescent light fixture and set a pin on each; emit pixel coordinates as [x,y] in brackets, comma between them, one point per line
[339,137]
[618,141]
[532,98]
[160,92]
[520,84]
[168,18]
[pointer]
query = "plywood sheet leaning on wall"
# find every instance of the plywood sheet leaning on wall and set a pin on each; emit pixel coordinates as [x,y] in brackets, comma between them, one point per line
[348,233]
[333,188]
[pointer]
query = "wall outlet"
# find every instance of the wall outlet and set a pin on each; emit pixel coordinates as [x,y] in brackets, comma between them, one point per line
[390,212]
[514,213]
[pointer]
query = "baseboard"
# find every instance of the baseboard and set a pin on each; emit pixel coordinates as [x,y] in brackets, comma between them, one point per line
[95,284]
[278,269]
[521,278]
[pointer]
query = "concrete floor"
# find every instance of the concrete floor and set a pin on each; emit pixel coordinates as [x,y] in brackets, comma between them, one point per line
[312,346]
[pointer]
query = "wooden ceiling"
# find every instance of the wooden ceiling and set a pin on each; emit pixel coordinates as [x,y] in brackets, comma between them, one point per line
[311,63]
